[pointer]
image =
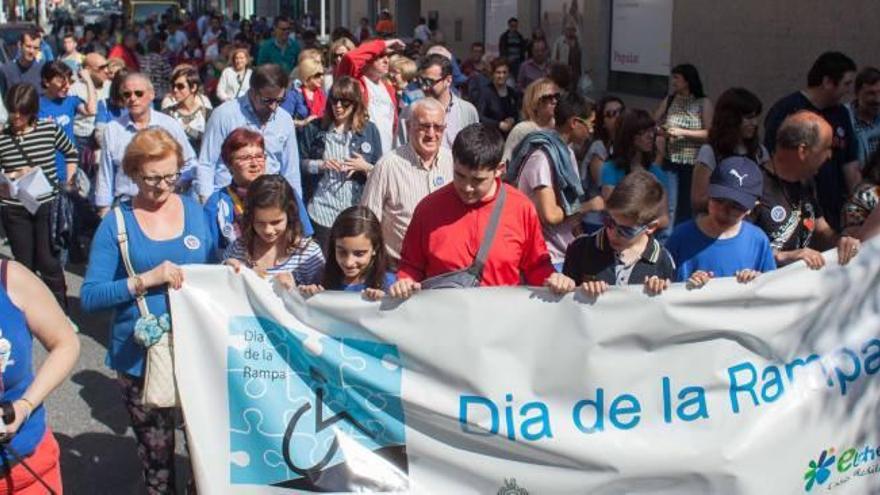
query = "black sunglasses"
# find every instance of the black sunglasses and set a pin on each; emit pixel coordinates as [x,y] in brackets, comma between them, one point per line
[551,96]
[136,93]
[271,101]
[345,102]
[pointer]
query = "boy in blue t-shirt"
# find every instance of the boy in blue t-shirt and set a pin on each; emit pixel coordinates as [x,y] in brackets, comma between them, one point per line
[720,243]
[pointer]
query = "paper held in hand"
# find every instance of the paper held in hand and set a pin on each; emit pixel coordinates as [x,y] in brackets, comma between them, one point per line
[27,188]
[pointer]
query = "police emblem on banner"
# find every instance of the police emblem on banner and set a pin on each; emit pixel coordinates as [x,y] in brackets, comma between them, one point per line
[307,413]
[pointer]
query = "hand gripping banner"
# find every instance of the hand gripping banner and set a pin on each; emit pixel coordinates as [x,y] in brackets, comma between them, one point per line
[770,387]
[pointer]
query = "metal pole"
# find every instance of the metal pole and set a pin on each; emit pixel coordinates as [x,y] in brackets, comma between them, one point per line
[323,20]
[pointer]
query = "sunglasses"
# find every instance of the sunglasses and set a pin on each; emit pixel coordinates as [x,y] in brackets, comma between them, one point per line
[625,231]
[104,67]
[271,101]
[345,102]
[181,86]
[549,97]
[338,56]
[155,180]
[138,93]
[319,74]
[427,82]
[610,114]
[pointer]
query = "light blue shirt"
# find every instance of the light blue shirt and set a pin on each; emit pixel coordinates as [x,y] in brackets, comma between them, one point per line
[111,182]
[282,153]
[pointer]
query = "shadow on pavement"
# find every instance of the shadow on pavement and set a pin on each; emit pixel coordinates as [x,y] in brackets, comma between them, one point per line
[101,394]
[101,463]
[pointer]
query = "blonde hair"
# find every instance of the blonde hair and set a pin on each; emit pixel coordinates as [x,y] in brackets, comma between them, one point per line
[532,96]
[308,67]
[150,145]
[406,67]
[312,53]
[347,43]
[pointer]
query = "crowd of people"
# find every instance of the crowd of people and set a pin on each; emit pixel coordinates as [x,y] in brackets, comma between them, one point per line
[383,167]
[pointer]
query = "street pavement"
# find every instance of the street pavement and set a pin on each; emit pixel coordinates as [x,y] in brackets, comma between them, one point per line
[86,413]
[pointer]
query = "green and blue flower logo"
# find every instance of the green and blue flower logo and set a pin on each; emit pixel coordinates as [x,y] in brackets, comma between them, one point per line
[819,471]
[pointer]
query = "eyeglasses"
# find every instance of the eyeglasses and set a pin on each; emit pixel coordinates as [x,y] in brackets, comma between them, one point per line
[319,74]
[549,97]
[625,231]
[138,93]
[104,67]
[181,86]
[338,56]
[585,122]
[155,180]
[439,128]
[345,102]
[250,158]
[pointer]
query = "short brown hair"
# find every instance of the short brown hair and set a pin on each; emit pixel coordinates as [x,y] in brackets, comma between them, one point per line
[147,146]
[190,73]
[639,197]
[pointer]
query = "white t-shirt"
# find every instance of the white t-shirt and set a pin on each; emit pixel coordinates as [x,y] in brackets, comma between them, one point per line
[537,172]
[381,111]
[84,125]
[706,155]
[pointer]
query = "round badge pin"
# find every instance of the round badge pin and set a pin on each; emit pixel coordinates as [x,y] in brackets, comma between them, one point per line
[438,181]
[366,147]
[777,213]
[227,231]
[841,132]
[191,242]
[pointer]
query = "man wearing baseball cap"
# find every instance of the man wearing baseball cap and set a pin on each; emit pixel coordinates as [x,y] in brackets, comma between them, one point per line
[719,243]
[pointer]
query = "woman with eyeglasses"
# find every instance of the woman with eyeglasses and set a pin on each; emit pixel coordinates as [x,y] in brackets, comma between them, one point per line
[165,231]
[341,150]
[235,78]
[187,104]
[244,154]
[306,99]
[734,132]
[28,146]
[538,105]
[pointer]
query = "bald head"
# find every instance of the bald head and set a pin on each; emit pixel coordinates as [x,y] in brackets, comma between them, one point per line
[803,144]
[96,64]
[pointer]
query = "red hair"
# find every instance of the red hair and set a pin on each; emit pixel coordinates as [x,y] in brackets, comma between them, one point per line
[237,140]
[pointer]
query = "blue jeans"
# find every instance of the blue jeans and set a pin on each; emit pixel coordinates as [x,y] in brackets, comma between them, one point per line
[678,191]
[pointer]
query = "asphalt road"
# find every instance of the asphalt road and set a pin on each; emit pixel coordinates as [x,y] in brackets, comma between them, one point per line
[86,413]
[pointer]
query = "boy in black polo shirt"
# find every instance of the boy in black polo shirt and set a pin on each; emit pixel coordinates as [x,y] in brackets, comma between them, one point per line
[624,251]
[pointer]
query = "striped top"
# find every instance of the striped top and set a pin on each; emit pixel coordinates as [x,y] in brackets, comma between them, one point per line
[335,191]
[306,263]
[397,184]
[35,148]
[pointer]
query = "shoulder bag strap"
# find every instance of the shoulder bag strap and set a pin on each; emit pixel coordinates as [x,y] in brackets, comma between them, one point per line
[122,240]
[4,273]
[27,157]
[479,263]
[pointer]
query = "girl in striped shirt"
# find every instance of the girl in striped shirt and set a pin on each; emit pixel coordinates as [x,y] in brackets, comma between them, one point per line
[272,240]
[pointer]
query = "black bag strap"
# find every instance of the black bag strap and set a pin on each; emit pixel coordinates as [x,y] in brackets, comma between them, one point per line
[476,268]
[4,273]
[27,158]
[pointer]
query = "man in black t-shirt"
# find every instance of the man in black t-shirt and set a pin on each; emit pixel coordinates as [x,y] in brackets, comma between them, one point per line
[512,45]
[789,211]
[829,81]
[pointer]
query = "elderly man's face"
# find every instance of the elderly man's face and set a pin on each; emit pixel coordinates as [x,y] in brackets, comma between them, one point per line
[427,127]
[137,96]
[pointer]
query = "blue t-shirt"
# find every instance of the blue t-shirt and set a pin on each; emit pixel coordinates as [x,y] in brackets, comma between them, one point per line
[612,175]
[18,374]
[62,111]
[107,112]
[693,250]
[390,278]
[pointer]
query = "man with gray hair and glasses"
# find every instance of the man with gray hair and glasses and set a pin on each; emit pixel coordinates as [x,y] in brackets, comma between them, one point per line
[111,183]
[789,210]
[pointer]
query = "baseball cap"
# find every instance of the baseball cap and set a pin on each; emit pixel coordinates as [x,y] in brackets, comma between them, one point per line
[739,179]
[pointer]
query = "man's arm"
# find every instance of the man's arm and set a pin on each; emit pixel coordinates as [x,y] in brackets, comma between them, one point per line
[354,62]
[209,153]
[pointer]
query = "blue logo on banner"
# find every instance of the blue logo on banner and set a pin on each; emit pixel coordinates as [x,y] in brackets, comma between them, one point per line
[303,411]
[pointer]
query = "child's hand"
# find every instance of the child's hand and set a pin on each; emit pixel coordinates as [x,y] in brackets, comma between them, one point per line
[559,284]
[234,263]
[595,288]
[746,276]
[373,294]
[811,257]
[286,280]
[699,278]
[655,285]
[404,288]
[310,290]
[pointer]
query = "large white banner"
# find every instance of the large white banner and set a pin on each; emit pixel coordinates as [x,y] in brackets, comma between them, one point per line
[770,387]
[641,36]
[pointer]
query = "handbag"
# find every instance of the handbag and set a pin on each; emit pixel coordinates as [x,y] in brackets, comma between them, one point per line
[160,388]
[471,276]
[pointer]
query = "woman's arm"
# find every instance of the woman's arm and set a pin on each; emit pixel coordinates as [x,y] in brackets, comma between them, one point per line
[101,288]
[48,323]
[700,187]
